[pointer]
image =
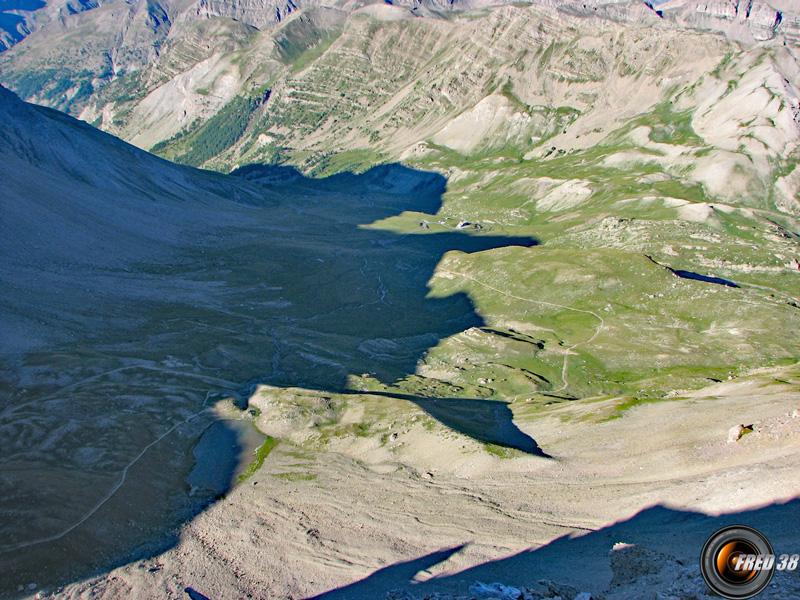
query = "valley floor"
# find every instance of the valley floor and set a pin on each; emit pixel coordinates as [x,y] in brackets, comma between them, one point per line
[621,510]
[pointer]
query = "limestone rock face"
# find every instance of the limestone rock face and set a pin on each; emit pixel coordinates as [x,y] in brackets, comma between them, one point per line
[258,13]
[616,10]
[19,18]
[744,20]
[760,20]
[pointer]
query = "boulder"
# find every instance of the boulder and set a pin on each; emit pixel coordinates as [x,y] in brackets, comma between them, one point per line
[494,591]
[736,432]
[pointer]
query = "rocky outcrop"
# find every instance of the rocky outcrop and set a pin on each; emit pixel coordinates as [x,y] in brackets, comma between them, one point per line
[19,18]
[345,77]
[16,21]
[75,6]
[625,11]
[761,19]
[258,13]
[744,20]
[13,30]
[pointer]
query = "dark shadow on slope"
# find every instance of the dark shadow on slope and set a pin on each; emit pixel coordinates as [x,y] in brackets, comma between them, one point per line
[391,577]
[706,278]
[28,5]
[366,291]
[674,537]
[694,276]
[12,23]
[300,290]
[488,421]
[355,289]
[195,595]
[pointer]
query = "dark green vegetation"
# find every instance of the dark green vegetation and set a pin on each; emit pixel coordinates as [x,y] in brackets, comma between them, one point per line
[261,454]
[294,476]
[60,88]
[303,41]
[354,161]
[212,137]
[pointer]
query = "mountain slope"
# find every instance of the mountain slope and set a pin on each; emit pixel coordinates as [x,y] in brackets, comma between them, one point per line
[328,71]
[90,229]
[598,208]
[75,205]
[137,294]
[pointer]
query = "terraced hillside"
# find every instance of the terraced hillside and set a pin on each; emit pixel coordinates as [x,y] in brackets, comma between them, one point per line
[372,80]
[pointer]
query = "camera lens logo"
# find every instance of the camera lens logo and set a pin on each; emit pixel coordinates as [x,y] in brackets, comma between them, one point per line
[737,562]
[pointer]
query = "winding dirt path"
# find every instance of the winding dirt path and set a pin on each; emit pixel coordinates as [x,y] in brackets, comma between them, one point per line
[568,350]
[123,475]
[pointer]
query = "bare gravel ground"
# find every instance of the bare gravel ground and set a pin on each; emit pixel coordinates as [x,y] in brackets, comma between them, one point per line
[431,522]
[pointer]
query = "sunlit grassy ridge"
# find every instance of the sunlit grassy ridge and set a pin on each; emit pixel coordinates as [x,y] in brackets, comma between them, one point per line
[261,454]
[605,256]
[596,310]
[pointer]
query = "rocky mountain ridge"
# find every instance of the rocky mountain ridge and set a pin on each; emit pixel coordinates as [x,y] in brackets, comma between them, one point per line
[748,21]
[761,20]
[19,18]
